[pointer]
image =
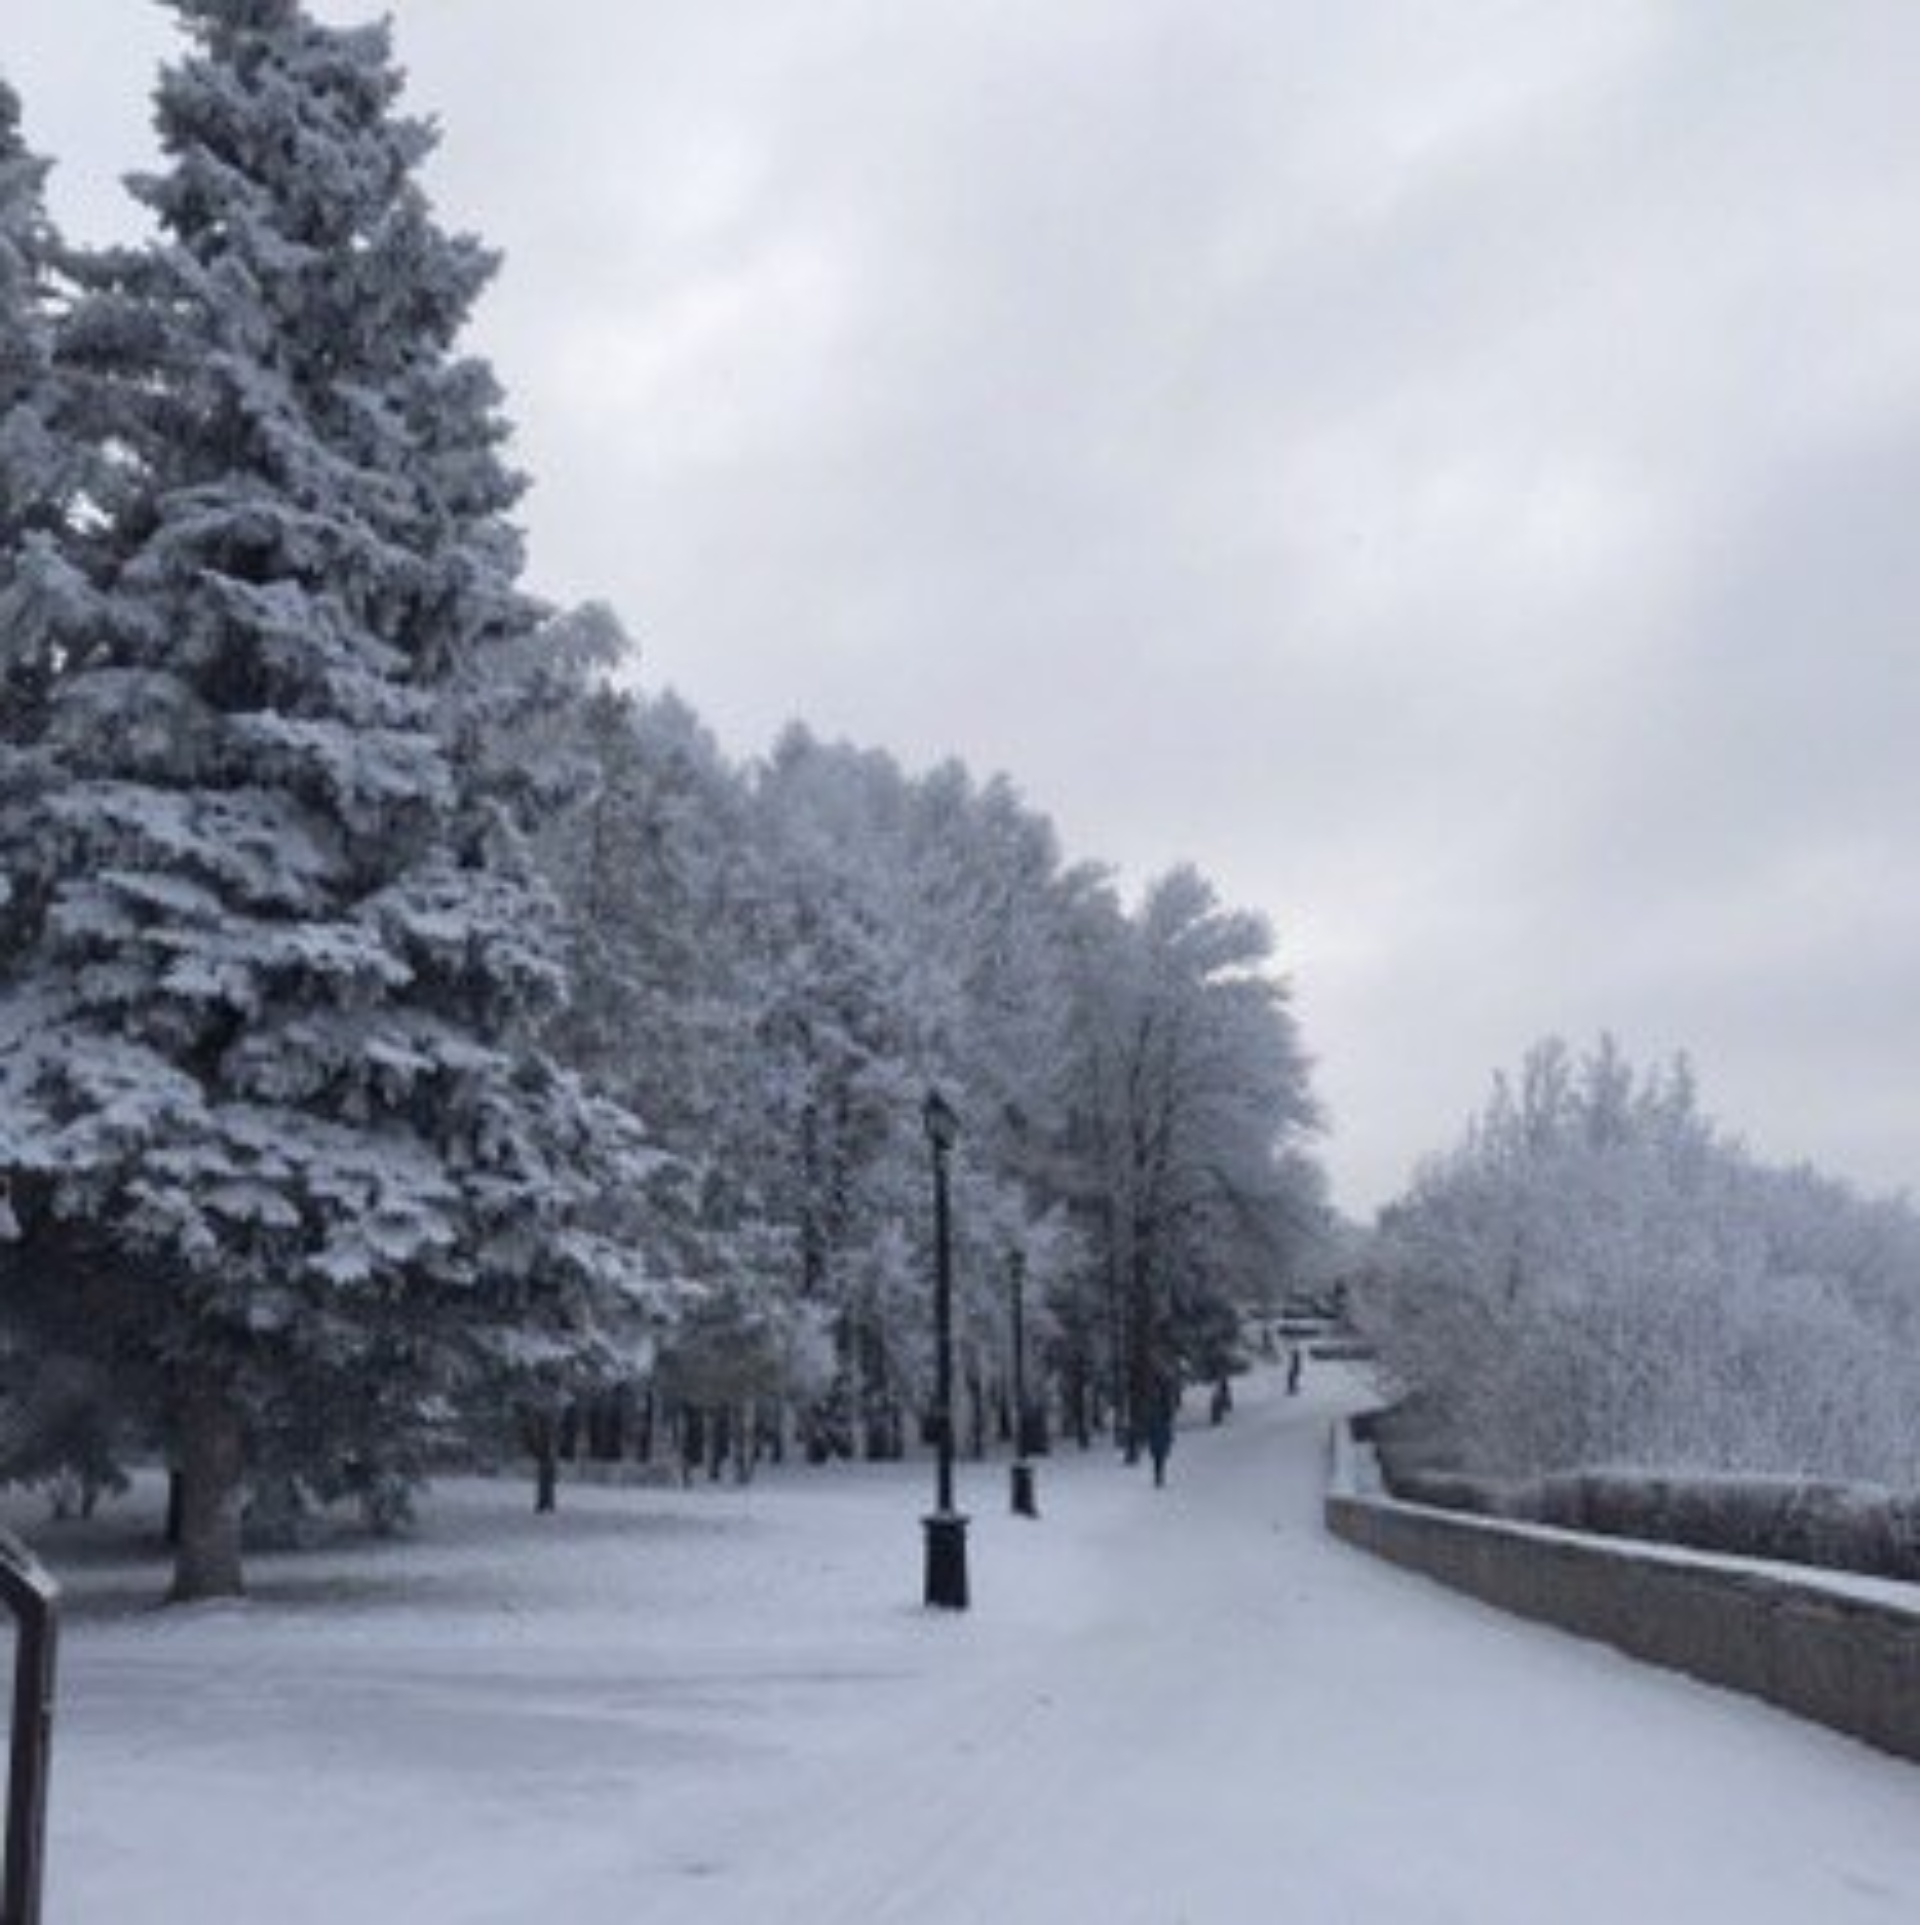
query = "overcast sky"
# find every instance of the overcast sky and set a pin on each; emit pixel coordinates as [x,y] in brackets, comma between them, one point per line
[1452,471]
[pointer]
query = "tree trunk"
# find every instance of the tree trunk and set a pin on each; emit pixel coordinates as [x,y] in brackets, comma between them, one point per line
[613,1444]
[1116,1334]
[544,1436]
[206,1560]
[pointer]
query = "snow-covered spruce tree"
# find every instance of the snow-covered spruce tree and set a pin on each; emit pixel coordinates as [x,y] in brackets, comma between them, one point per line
[267,1052]
[41,608]
[40,462]
[26,331]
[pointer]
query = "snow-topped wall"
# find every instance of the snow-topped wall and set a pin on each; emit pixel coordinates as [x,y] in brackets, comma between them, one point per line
[1845,1653]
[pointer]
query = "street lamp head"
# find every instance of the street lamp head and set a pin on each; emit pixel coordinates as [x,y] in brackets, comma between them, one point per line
[943,1124]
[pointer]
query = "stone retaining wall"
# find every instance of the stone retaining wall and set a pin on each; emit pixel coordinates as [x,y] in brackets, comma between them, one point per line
[1849,1662]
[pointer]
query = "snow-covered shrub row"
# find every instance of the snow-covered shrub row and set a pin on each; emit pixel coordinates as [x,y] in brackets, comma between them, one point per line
[1845,1527]
[1840,1527]
[408,1036]
[1597,1277]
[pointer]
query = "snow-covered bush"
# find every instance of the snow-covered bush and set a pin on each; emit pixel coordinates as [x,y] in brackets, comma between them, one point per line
[1598,1277]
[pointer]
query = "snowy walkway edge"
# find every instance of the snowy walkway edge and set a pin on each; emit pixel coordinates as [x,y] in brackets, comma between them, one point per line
[1823,1650]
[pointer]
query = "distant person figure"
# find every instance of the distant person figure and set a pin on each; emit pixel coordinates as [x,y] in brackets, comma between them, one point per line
[1160,1436]
[1296,1360]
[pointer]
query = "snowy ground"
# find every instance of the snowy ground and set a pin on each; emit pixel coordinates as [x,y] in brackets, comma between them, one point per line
[1178,1705]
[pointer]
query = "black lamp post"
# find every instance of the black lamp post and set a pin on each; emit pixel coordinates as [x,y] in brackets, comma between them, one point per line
[1022,1479]
[946,1528]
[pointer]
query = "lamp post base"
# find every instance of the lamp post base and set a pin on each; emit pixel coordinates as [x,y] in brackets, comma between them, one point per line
[1024,1504]
[946,1561]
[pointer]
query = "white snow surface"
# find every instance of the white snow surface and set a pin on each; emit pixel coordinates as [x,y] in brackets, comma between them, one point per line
[1167,1707]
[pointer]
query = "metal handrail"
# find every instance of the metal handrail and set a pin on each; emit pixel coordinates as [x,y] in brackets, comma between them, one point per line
[34,1599]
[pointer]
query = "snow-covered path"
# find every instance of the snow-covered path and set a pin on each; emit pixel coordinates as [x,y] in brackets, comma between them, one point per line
[1178,1705]
[1247,1721]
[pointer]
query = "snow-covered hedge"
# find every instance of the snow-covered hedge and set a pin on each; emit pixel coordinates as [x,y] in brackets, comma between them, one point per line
[1838,1527]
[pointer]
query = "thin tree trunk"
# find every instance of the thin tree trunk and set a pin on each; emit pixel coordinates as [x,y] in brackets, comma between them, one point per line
[1142,1389]
[206,1561]
[1116,1347]
[545,1439]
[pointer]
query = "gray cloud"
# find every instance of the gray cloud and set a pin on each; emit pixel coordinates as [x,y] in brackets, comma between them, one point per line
[1447,470]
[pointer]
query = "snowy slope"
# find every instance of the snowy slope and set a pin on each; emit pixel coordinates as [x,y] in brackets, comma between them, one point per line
[721,1706]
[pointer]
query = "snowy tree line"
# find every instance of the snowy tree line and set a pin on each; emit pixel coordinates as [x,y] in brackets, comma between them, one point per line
[412,1039]
[1599,1277]
[773,964]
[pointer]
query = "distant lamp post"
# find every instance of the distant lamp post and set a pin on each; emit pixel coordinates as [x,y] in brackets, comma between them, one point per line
[1024,1504]
[946,1528]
